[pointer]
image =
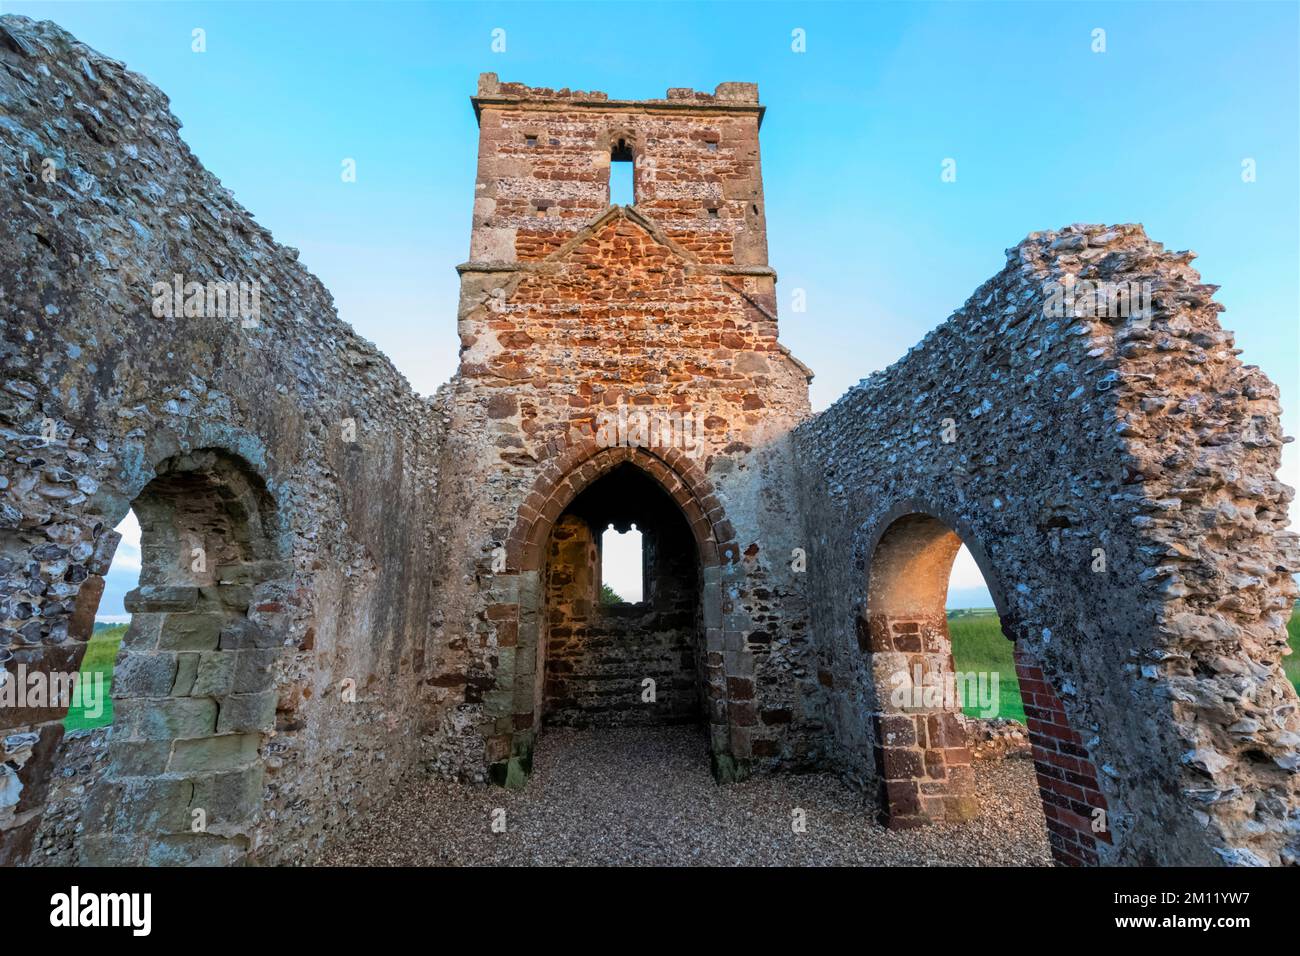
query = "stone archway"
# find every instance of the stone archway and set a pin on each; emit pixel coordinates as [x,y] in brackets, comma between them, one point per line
[727,685]
[193,684]
[630,655]
[922,759]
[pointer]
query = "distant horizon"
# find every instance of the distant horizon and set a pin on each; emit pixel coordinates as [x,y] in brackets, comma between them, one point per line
[966,591]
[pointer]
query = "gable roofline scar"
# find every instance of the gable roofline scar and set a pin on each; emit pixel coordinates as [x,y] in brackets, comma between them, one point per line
[691,260]
[803,369]
[771,316]
[632,216]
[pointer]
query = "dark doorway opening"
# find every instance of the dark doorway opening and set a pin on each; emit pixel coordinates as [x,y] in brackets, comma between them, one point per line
[613,664]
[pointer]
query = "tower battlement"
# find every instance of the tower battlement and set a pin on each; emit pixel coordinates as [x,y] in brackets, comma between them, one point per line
[546,157]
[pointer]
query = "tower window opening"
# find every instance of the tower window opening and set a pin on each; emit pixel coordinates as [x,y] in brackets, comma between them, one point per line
[622,175]
[622,566]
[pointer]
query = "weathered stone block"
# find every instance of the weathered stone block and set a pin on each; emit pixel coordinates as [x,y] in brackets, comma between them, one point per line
[233,597]
[239,633]
[215,673]
[190,632]
[187,668]
[142,633]
[210,754]
[147,805]
[897,763]
[228,799]
[143,674]
[247,713]
[166,718]
[156,599]
[140,758]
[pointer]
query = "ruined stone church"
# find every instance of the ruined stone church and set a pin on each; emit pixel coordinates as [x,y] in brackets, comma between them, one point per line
[395,585]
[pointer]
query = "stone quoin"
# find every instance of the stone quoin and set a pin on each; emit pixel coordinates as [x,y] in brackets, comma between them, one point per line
[397,584]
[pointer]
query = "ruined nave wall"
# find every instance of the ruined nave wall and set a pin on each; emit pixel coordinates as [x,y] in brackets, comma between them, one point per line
[1114,475]
[281,692]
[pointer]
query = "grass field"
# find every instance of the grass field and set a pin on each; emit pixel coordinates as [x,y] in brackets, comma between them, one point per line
[100,654]
[979,645]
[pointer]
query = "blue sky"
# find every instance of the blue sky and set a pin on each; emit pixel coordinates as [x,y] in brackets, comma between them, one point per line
[1045,132]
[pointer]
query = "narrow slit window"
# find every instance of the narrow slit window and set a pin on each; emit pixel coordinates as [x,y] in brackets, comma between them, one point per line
[622,566]
[622,179]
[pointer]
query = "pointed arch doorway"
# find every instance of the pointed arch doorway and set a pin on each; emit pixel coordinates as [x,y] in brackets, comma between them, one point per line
[577,662]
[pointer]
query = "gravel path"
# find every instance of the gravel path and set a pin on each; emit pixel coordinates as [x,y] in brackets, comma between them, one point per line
[645,796]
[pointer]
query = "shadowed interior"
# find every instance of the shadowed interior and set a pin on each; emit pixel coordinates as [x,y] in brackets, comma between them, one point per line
[618,664]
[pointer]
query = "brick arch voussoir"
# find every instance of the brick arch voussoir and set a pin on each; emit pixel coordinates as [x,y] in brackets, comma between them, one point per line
[567,474]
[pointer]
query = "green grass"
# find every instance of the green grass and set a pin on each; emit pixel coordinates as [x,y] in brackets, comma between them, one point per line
[979,645]
[100,654]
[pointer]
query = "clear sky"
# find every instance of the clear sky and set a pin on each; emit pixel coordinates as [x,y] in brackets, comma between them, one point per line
[1044,131]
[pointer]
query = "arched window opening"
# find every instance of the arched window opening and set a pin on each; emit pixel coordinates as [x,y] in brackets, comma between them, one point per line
[93,708]
[622,174]
[934,701]
[622,566]
[193,686]
[979,647]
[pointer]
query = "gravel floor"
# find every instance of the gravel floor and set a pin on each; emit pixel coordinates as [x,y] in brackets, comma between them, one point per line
[645,796]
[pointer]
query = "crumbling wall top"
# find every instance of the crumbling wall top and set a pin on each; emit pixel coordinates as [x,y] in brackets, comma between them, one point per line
[725,96]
